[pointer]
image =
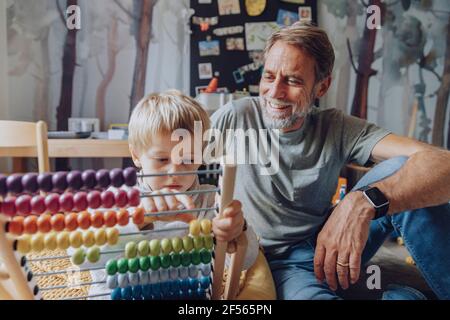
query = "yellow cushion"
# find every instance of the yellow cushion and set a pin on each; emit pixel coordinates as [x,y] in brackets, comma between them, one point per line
[259,283]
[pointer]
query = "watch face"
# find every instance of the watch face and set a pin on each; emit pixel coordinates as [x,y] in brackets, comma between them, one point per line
[377,197]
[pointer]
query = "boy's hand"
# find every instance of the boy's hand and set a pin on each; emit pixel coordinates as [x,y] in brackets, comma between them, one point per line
[231,224]
[169,203]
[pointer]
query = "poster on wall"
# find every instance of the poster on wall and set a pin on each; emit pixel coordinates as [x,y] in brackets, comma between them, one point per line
[227,7]
[256,34]
[286,18]
[209,48]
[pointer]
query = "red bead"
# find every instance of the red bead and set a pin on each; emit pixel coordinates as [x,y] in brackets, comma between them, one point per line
[107,199]
[38,205]
[97,220]
[66,202]
[44,223]
[57,222]
[23,205]
[133,197]
[121,198]
[80,202]
[71,221]
[30,225]
[52,203]
[123,217]
[15,226]
[9,206]
[84,220]
[94,199]
[110,219]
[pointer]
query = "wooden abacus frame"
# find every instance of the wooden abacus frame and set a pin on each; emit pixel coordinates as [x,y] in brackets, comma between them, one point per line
[16,283]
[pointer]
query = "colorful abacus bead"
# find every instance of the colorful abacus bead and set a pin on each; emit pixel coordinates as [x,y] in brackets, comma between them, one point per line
[111,267]
[116,294]
[155,247]
[38,204]
[52,203]
[206,226]
[194,227]
[71,221]
[63,240]
[88,178]
[84,220]
[66,202]
[88,238]
[14,183]
[76,239]
[102,178]
[44,181]
[166,246]
[144,263]
[131,250]
[94,199]
[107,199]
[112,236]
[133,196]
[44,224]
[198,242]
[37,242]
[111,282]
[97,219]
[30,225]
[15,226]
[78,257]
[9,206]
[130,176]
[30,182]
[74,180]
[23,205]
[139,216]
[58,222]
[100,237]
[177,244]
[110,218]
[133,265]
[116,177]
[50,241]
[188,244]
[123,217]
[80,202]
[93,254]
[143,248]
[59,181]
[24,244]
[122,265]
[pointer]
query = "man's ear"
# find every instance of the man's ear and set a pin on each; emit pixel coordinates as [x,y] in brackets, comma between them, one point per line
[134,157]
[323,86]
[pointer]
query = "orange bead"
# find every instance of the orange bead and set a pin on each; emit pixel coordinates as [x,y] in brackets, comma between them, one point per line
[43,223]
[138,216]
[123,217]
[84,220]
[97,220]
[57,222]
[71,221]
[110,219]
[15,226]
[30,225]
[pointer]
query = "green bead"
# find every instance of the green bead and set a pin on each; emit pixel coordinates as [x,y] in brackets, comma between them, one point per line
[144,263]
[155,262]
[177,244]
[198,242]
[78,257]
[208,241]
[111,267]
[175,260]
[205,256]
[122,265]
[143,248]
[195,257]
[166,246]
[133,265]
[154,247]
[131,250]
[185,259]
[188,244]
[93,254]
[165,261]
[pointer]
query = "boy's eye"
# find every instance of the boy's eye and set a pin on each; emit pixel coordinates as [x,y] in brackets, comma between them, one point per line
[162,159]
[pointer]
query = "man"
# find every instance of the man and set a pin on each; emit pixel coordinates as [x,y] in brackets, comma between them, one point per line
[311,251]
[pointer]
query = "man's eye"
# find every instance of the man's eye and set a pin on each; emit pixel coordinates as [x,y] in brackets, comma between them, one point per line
[268,76]
[162,159]
[294,82]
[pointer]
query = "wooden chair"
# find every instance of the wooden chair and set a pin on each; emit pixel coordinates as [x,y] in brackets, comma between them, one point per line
[29,136]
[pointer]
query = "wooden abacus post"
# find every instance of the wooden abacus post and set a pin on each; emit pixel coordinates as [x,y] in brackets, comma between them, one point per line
[227,189]
[8,257]
[235,268]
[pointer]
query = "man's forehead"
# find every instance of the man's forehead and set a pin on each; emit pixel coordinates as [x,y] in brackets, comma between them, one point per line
[290,59]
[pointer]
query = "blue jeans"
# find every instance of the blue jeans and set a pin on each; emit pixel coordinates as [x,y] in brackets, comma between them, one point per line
[426,234]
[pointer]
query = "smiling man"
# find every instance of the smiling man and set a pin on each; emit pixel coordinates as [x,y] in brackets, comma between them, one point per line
[310,248]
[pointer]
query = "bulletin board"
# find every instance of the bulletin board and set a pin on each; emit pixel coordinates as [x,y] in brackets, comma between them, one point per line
[238,70]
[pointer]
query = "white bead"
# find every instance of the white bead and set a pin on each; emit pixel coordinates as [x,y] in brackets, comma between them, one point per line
[111,281]
[122,280]
[173,273]
[133,278]
[184,273]
[164,275]
[154,276]
[193,271]
[206,269]
[144,277]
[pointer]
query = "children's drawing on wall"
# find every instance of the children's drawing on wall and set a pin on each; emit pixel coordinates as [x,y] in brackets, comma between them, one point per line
[235,44]
[209,48]
[286,18]
[205,71]
[304,13]
[227,7]
[256,34]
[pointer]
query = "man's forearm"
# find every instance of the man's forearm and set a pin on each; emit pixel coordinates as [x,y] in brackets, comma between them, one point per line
[423,181]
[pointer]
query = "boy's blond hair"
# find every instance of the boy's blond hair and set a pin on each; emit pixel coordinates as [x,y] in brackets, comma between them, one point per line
[162,113]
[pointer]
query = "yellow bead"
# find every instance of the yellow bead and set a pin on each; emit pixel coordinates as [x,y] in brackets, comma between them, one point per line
[76,239]
[63,240]
[37,242]
[112,236]
[194,227]
[23,244]
[100,237]
[88,239]
[206,226]
[50,241]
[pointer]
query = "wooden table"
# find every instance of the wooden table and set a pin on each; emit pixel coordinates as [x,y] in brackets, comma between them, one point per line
[70,148]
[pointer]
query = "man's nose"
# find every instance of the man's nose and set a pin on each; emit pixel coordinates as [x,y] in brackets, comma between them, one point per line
[277,89]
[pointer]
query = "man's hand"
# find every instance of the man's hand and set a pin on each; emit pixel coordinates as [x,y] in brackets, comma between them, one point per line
[342,240]
[231,224]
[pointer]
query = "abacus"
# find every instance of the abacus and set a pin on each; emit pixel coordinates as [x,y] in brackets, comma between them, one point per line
[62,210]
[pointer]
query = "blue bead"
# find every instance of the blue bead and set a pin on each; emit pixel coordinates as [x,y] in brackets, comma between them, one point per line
[165,287]
[193,283]
[147,292]
[175,286]
[116,294]
[201,294]
[206,269]
[205,282]
[137,292]
[184,285]
[191,294]
[127,293]
[156,289]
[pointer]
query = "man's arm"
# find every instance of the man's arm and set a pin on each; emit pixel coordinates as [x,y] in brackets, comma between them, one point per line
[424,180]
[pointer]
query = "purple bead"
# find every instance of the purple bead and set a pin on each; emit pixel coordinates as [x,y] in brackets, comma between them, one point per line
[103,180]
[74,180]
[3,189]
[45,182]
[88,178]
[59,181]
[116,176]
[30,182]
[130,176]
[14,183]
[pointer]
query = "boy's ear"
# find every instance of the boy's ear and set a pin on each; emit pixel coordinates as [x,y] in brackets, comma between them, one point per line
[134,157]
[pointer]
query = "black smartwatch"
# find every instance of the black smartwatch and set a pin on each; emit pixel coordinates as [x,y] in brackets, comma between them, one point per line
[377,199]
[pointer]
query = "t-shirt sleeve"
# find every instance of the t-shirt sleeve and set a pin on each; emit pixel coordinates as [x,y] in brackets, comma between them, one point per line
[359,137]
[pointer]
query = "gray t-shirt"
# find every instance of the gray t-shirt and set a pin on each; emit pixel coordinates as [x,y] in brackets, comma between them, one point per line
[291,205]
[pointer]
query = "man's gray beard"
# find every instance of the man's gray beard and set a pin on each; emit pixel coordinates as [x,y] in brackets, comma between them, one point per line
[282,123]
